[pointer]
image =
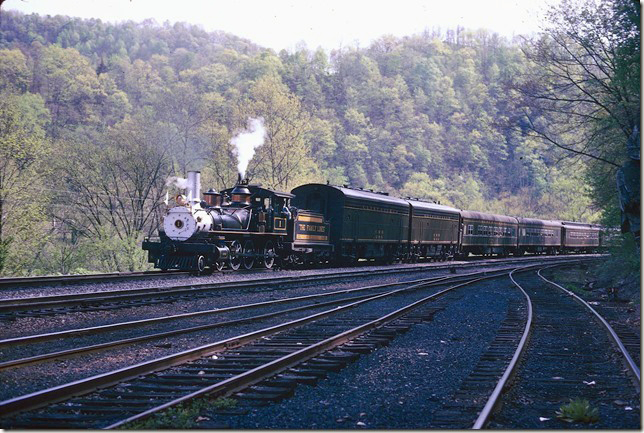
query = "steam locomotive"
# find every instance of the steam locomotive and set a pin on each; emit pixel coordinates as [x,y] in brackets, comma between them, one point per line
[240,226]
[248,225]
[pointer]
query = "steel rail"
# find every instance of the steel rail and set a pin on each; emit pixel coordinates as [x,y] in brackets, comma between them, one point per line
[10,282]
[142,322]
[613,335]
[13,304]
[113,295]
[243,380]
[494,397]
[130,324]
[28,339]
[13,282]
[112,344]
[63,392]
[76,351]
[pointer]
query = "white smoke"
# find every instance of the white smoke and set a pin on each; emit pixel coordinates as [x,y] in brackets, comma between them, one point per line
[246,142]
[179,182]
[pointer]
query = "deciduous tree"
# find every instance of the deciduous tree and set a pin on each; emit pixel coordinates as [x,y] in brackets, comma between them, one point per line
[284,160]
[23,147]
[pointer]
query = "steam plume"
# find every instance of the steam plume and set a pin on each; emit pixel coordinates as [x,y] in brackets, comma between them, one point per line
[179,182]
[246,142]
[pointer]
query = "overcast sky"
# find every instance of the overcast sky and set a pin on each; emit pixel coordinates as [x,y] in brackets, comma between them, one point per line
[330,24]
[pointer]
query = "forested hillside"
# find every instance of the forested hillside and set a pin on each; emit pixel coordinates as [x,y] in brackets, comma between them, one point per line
[95,117]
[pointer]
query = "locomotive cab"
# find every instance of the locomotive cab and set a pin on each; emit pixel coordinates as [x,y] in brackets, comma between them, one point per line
[268,209]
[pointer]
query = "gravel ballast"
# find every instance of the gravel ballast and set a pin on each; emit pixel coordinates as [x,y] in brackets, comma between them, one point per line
[398,386]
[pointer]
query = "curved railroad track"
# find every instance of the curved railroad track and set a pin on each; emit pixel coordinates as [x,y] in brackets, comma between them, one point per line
[612,312]
[310,301]
[572,353]
[479,392]
[265,365]
[571,369]
[632,365]
[295,351]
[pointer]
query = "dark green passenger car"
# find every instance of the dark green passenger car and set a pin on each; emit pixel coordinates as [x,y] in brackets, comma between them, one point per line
[364,224]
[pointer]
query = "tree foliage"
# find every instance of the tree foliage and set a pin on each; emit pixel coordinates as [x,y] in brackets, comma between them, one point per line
[459,118]
[582,93]
[583,96]
[283,161]
[23,150]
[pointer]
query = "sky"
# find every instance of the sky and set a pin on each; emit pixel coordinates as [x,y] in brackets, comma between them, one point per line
[330,24]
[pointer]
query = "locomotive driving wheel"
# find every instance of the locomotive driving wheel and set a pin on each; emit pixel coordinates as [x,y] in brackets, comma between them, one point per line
[269,255]
[248,259]
[235,255]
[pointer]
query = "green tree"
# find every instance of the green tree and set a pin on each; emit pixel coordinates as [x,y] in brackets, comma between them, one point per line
[23,119]
[69,86]
[14,73]
[284,160]
[114,187]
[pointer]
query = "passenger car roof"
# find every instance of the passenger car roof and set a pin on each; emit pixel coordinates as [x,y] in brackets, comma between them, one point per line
[360,194]
[417,204]
[487,216]
[536,221]
[577,225]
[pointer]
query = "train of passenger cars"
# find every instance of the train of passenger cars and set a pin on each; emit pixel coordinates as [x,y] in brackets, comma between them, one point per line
[247,226]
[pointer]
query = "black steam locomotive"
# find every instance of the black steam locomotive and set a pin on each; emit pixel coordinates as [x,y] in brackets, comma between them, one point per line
[315,223]
[241,226]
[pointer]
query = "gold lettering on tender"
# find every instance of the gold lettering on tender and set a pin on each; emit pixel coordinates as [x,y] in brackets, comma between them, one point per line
[312,228]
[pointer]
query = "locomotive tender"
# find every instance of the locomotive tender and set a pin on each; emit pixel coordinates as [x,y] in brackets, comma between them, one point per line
[317,223]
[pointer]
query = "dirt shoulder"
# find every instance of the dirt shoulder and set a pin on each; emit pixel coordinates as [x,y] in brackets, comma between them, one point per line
[616,294]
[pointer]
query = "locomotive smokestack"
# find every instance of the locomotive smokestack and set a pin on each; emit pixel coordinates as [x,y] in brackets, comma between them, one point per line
[194,186]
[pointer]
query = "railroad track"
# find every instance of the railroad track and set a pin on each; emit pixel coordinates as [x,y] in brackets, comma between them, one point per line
[574,356]
[572,353]
[628,355]
[39,306]
[270,361]
[241,368]
[62,280]
[312,301]
[612,312]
